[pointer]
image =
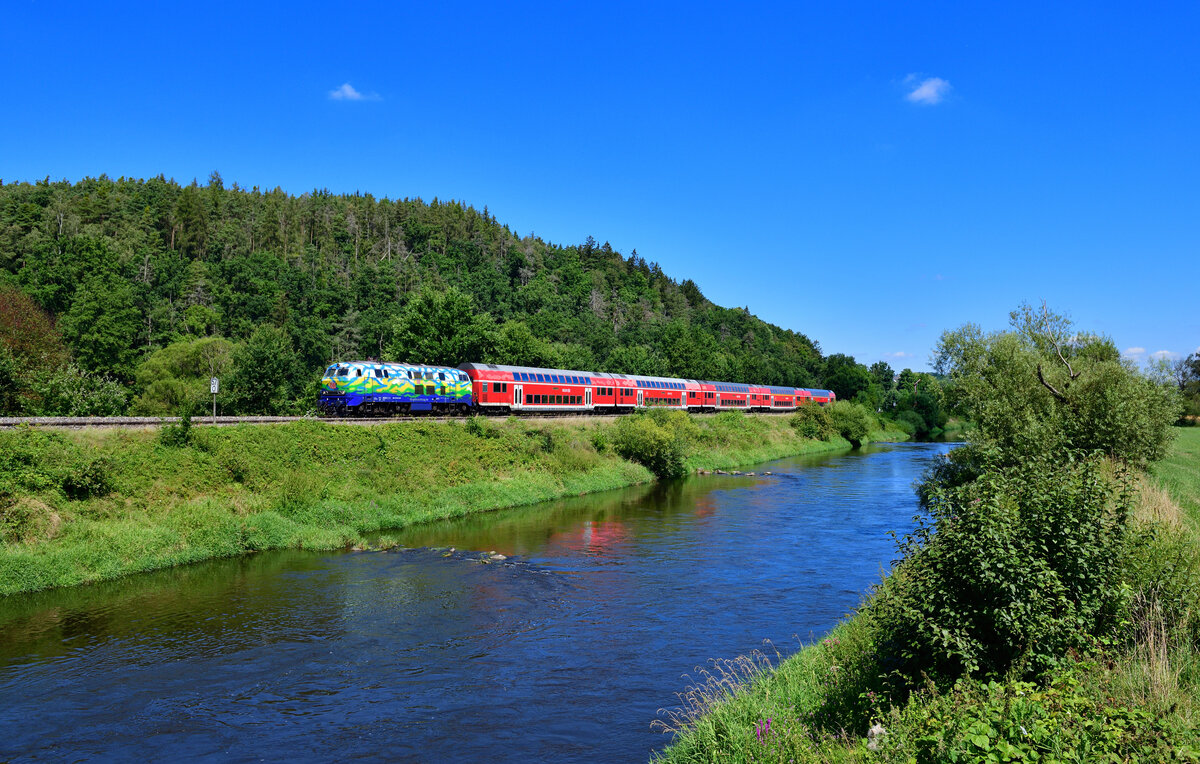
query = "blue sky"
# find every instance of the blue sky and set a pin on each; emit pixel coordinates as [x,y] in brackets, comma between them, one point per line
[866,174]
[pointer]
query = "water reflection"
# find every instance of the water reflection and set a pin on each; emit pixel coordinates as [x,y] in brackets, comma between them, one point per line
[562,652]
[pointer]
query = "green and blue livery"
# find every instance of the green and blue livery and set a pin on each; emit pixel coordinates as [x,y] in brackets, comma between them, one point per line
[396,388]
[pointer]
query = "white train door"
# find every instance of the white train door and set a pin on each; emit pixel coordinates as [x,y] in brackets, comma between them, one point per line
[587,397]
[517,399]
[639,398]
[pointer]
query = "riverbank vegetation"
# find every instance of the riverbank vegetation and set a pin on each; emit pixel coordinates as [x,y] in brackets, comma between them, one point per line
[81,506]
[1043,610]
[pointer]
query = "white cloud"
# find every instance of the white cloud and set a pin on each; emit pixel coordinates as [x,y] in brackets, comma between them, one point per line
[898,354]
[1134,352]
[347,93]
[1164,354]
[928,91]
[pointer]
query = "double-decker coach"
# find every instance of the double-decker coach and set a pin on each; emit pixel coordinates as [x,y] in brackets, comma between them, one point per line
[819,396]
[784,398]
[503,389]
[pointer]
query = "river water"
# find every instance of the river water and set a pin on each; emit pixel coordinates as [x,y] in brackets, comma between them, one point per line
[565,651]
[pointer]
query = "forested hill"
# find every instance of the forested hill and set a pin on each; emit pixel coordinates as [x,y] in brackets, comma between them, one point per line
[127,269]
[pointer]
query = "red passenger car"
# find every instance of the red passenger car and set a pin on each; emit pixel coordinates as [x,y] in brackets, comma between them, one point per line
[501,389]
[508,389]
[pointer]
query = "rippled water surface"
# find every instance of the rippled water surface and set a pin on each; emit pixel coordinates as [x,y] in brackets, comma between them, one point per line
[565,651]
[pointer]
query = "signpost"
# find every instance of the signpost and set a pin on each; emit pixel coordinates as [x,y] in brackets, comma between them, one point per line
[214,386]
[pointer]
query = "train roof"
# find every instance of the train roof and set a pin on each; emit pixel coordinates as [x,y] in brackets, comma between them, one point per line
[525,369]
[739,387]
[392,365]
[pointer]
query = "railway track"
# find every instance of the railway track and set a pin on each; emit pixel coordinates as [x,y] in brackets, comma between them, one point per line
[149,422]
[146,422]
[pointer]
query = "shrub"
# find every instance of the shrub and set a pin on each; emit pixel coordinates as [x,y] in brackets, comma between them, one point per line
[87,478]
[643,440]
[481,428]
[1010,571]
[911,422]
[178,435]
[813,421]
[70,391]
[851,421]
[1020,721]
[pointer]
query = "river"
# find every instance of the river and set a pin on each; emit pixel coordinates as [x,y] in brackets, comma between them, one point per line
[563,651]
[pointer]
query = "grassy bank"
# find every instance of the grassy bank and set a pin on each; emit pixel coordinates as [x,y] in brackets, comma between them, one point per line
[84,506]
[1138,692]
[1179,475]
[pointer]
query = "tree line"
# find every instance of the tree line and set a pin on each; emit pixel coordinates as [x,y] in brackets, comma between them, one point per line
[125,295]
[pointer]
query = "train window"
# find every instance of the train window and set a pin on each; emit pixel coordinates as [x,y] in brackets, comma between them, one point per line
[483,387]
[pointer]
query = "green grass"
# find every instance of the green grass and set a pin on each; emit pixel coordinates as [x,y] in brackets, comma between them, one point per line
[83,506]
[1179,474]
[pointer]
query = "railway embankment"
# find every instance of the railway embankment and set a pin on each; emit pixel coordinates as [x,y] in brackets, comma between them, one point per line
[79,506]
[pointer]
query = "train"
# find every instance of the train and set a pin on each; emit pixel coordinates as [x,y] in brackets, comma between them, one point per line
[373,388]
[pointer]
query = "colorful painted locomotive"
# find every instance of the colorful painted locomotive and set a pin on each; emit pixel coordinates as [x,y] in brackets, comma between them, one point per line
[365,388]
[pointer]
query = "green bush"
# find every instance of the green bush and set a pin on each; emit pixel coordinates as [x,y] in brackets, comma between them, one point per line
[1009,571]
[658,448]
[71,391]
[911,422]
[178,374]
[1021,721]
[813,421]
[851,421]
[90,477]
[178,435]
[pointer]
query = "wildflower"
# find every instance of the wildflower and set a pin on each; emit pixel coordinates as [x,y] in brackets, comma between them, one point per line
[874,736]
[762,729]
